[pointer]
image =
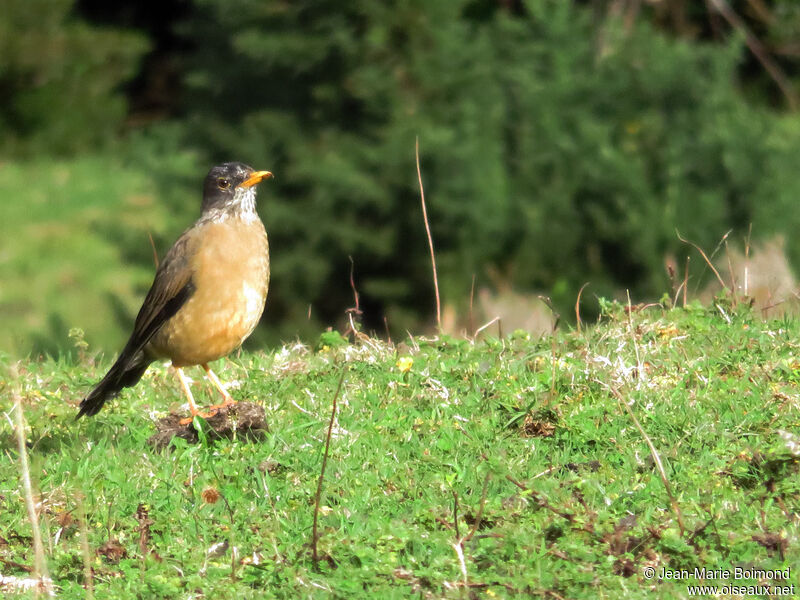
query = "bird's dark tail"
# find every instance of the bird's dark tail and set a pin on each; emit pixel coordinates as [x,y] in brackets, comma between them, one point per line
[126,372]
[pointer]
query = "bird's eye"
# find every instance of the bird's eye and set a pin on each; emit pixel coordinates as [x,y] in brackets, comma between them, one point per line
[223,183]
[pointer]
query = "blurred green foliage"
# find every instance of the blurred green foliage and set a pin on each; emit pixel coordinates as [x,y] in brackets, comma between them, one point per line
[560,143]
[556,149]
[75,249]
[60,78]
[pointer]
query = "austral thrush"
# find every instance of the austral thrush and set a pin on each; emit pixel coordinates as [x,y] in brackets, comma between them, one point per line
[208,293]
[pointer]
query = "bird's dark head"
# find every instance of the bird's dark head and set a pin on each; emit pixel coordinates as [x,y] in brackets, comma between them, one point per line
[231,186]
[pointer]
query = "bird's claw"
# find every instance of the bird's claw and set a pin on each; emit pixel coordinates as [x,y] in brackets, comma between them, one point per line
[190,419]
[225,404]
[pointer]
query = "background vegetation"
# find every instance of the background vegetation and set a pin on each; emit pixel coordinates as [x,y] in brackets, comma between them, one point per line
[561,143]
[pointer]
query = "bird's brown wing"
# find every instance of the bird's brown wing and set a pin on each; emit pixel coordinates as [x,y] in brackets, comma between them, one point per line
[171,288]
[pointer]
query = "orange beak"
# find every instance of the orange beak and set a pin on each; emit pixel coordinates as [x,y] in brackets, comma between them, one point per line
[255,178]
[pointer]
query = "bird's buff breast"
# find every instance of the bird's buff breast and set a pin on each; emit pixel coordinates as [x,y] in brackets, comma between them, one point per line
[230,273]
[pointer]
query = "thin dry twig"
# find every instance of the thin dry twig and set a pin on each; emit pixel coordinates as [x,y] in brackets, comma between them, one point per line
[354,312]
[482,327]
[703,254]
[747,261]
[458,545]
[318,495]
[430,242]
[686,280]
[40,565]
[578,306]
[639,367]
[459,549]
[553,368]
[153,246]
[767,307]
[671,274]
[353,286]
[723,313]
[471,324]
[730,269]
[678,293]
[388,333]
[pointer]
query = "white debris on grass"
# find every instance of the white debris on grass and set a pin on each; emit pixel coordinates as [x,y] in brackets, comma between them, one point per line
[792,442]
[14,585]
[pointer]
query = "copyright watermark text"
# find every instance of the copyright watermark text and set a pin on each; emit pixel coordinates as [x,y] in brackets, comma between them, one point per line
[736,581]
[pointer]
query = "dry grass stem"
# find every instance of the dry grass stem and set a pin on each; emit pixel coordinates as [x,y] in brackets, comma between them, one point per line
[747,261]
[730,269]
[481,328]
[708,261]
[685,280]
[354,312]
[353,285]
[388,333]
[153,246]
[471,324]
[457,545]
[653,453]
[639,366]
[461,562]
[318,495]
[682,286]
[430,242]
[578,306]
[40,565]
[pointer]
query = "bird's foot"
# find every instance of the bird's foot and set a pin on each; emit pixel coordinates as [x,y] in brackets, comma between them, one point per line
[212,411]
[225,404]
[205,415]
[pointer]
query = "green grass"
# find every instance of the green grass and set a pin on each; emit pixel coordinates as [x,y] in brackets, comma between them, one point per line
[574,506]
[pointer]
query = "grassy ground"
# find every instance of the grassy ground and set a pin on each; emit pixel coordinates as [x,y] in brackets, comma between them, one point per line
[494,469]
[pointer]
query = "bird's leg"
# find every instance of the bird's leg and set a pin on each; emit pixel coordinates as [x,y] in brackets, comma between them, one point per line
[227,398]
[192,406]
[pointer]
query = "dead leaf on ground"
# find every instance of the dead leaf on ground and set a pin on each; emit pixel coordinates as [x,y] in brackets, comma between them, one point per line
[113,551]
[535,428]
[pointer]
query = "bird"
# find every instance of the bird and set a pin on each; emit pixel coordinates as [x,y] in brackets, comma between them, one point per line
[208,293]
